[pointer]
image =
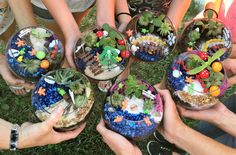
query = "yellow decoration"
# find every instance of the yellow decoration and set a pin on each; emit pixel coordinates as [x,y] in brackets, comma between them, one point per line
[216,66]
[118,59]
[20,58]
[206,45]
[214,91]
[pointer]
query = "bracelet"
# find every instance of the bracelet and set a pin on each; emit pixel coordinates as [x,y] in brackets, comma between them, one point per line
[14,136]
[212,11]
[123,13]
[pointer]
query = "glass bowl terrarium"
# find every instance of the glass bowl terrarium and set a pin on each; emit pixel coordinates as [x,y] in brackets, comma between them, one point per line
[151,36]
[197,79]
[133,108]
[33,51]
[208,35]
[66,88]
[102,53]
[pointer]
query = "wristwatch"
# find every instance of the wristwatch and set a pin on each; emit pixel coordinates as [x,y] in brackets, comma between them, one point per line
[14,136]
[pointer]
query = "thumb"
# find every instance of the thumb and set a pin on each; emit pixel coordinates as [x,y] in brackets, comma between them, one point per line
[54,117]
[231,81]
[101,127]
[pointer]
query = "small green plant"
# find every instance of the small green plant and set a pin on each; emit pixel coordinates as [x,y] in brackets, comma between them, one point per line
[215,78]
[145,19]
[80,100]
[112,33]
[193,63]
[30,65]
[134,87]
[108,41]
[193,36]
[90,39]
[214,28]
[164,29]
[148,105]
[77,87]
[117,99]
[40,33]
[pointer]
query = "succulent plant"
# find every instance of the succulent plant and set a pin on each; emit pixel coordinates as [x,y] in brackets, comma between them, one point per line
[148,105]
[145,18]
[30,65]
[64,76]
[117,99]
[40,33]
[108,41]
[165,28]
[80,100]
[90,39]
[214,28]
[133,87]
[77,87]
[112,33]
[158,20]
[193,36]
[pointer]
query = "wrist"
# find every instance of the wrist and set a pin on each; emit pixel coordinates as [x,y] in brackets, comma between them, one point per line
[223,118]
[175,134]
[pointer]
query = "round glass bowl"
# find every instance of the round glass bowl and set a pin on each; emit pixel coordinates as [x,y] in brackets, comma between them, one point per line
[34,51]
[151,36]
[133,109]
[102,53]
[66,88]
[208,35]
[197,79]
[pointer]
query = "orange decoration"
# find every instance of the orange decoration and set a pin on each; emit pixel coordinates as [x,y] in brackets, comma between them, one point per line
[20,43]
[44,64]
[189,79]
[33,52]
[41,91]
[118,119]
[214,91]
[129,32]
[54,52]
[124,104]
[147,121]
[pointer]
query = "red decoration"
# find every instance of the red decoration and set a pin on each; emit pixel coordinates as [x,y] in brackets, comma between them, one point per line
[203,56]
[125,54]
[99,33]
[121,42]
[204,74]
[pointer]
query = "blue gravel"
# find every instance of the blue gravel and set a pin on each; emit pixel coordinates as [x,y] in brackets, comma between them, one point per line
[131,126]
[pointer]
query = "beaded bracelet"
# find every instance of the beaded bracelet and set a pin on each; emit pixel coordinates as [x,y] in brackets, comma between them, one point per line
[212,11]
[14,136]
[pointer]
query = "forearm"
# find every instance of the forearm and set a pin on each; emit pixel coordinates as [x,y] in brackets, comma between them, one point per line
[197,144]
[5,128]
[226,121]
[122,6]
[177,11]
[23,12]
[63,17]
[106,12]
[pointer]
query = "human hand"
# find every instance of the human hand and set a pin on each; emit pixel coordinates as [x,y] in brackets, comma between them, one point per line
[171,123]
[11,79]
[230,67]
[70,47]
[212,115]
[116,142]
[40,134]
[122,27]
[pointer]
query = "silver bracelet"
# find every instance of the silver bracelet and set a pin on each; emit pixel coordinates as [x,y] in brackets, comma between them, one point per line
[14,136]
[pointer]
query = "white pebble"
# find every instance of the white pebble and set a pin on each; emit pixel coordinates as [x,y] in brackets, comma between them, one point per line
[105,33]
[176,73]
[49,81]
[134,48]
[13,52]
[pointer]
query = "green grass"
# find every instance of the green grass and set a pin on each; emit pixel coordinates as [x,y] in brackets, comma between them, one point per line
[18,109]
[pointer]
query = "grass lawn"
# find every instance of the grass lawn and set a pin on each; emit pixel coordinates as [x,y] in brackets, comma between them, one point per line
[18,109]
